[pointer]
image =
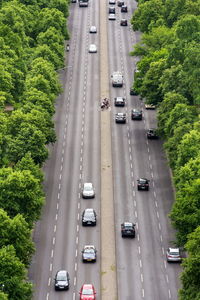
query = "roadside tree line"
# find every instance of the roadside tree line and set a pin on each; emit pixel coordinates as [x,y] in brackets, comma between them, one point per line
[32,35]
[168,75]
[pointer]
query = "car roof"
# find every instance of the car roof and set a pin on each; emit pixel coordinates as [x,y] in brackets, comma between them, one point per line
[120,114]
[87,286]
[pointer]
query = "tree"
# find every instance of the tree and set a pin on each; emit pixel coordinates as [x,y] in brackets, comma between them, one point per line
[188,147]
[20,192]
[16,232]
[13,275]
[190,276]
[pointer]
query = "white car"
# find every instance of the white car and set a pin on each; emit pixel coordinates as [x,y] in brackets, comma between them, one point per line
[93,29]
[112,2]
[173,255]
[150,106]
[88,190]
[92,48]
[111,17]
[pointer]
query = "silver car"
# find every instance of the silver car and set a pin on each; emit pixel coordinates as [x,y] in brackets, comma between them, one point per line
[88,190]
[173,255]
[92,48]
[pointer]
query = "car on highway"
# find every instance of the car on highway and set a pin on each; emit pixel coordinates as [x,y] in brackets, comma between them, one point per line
[89,217]
[61,281]
[150,106]
[92,48]
[89,253]
[88,190]
[132,92]
[128,229]
[117,79]
[173,255]
[73,1]
[152,134]
[93,29]
[143,184]
[119,101]
[112,1]
[111,10]
[111,17]
[120,3]
[124,8]
[120,118]
[136,114]
[123,22]
[87,292]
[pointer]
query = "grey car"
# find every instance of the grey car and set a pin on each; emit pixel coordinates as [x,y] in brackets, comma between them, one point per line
[120,118]
[173,255]
[61,280]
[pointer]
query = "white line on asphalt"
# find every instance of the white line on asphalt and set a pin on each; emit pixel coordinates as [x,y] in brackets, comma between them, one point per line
[153,183]
[154,194]
[63,151]
[139,249]
[81,150]
[134,200]
[58,196]
[49,281]
[129,142]
[81,143]
[131,166]
[149,157]
[137,226]
[74,296]
[159,226]
[138,237]
[75,267]
[59,186]
[56,217]
[61,167]
[142,293]
[134,194]
[150,166]
[165,264]
[65,129]
[52,253]
[148,151]
[129,149]
[163,251]
[136,213]
[77,240]
[169,292]
[79,205]
[76,254]
[167,278]
[78,216]
[77,228]
[156,203]
[157,213]
[80,176]
[79,195]
[140,263]
[82,135]
[79,185]
[62,159]
[47,297]
[132,174]
[64,136]
[74,281]
[54,228]
[161,239]
[81,167]
[81,158]
[133,183]
[63,143]
[141,277]
[152,174]
[54,240]
[130,157]
[50,267]
[57,206]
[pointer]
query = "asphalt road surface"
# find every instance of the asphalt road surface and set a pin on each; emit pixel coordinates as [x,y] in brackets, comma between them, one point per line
[142,271]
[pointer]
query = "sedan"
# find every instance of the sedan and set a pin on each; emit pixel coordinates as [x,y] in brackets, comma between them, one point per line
[112,1]
[136,114]
[143,184]
[88,190]
[87,292]
[61,280]
[93,29]
[92,48]
[152,134]
[119,101]
[89,253]
[111,10]
[124,8]
[123,22]
[89,217]
[128,229]
[120,118]
[173,255]
[111,17]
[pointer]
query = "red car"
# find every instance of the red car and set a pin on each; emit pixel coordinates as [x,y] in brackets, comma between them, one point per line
[87,292]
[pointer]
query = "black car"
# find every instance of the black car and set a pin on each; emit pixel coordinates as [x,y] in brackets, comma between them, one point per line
[133,92]
[123,22]
[89,253]
[124,8]
[120,118]
[119,101]
[111,10]
[143,184]
[62,280]
[136,114]
[152,134]
[120,3]
[128,229]
[89,217]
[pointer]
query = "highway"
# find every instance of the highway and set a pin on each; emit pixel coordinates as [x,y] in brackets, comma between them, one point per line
[142,271]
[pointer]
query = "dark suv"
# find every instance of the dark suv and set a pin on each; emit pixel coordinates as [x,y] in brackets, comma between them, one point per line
[124,8]
[143,184]
[61,280]
[111,10]
[89,217]
[128,229]
[120,3]
[123,22]
[136,114]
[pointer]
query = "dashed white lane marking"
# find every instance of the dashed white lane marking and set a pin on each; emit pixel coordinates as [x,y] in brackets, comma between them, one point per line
[157,213]
[77,240]
[78,216]
[156,203]
[154,194]
[142,293]
[61,167]
[132,174]
[130,157]
[138,237]
[141,277]
[167,278]
[57,206]
[77,228]
[74,281]
[139,249]
[54,228]
[148,151]
[150,166]
[135,203]
[59,186]
[169,293]
[52,253]
[62,159]
[54,240]
[152,174]
[136,213]
[153,183]
[133,183]
[56,217]
[58,196]
[165,264]
[76,254]
[161,238]
[47,297]
[49,281]
[50,267]
[74,296]
[163,251]
[159,226]
[131,166]
[75,267]
[140,263]
[149,157]
[129,149]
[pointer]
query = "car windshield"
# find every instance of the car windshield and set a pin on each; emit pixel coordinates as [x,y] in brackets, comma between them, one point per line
[174,253]
[128,227]
[61,277]
[143,181]
[87,292]
[88,188]
[89,251]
